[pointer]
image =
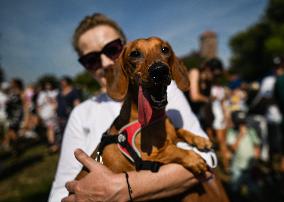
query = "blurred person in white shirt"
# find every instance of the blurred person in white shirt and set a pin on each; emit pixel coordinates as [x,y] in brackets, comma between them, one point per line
[46,108]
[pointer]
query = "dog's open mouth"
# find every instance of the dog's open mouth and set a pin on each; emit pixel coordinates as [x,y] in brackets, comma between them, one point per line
[156,86]
[151,103]
[152,96]
[159,102]
[158,96]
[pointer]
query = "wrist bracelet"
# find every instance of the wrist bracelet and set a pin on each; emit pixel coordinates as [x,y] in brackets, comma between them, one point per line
[128,186]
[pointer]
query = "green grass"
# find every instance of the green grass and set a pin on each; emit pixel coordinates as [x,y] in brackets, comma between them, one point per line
[28,176]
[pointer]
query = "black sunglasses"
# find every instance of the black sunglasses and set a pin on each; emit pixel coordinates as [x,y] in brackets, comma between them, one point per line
[92,60]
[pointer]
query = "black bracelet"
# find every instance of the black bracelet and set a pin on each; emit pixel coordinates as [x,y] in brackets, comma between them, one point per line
[128,186]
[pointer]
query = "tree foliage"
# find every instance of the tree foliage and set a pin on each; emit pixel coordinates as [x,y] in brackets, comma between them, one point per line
[193,59]
[2,74]
[86,82]
[253,49]
[50,78]
[83,81]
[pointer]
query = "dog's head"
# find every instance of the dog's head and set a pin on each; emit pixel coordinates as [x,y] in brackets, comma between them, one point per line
[150,62]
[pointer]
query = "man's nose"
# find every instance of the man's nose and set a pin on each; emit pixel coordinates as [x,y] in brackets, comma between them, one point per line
[106,61]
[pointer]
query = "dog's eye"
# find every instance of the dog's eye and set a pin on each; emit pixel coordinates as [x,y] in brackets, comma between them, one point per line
[165,50]
[135,54]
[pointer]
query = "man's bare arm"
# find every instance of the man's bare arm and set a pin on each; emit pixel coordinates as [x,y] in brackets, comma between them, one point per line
[103,185]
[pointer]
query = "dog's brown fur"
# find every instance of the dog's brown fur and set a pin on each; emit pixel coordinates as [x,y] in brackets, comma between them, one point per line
[157,141]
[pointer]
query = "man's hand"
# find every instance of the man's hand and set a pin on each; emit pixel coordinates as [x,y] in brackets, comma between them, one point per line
[100,184]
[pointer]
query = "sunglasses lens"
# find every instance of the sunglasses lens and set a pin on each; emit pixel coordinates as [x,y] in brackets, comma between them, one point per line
[91,61]
[113,49]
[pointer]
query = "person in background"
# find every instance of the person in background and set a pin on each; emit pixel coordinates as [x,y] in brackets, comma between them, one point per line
[98,41]
[279,94]
[3,102]
[199,96]
[218,96]
[30,120]
[27,99]
[15,112]
[238,97]
[67,98]
[46,108]
[264,106]
[245,146]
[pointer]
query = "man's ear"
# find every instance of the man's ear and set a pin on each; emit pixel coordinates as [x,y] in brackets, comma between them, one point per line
[117,80]
[179,73]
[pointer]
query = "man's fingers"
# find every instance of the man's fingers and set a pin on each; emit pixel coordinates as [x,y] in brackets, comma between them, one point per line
[70,186]
[84,159]
[70,198]
[205,176]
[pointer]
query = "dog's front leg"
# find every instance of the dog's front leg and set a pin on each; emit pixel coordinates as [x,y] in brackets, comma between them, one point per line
[189,159]
[195,140]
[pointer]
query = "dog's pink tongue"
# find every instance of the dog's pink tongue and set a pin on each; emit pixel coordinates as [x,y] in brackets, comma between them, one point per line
[144,108]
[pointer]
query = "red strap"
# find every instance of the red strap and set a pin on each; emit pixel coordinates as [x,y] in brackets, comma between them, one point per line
[131,129]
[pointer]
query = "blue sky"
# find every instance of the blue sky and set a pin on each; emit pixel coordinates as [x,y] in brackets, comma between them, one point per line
[36,34]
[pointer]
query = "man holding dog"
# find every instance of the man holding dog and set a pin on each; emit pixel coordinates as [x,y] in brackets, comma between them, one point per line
[98,41]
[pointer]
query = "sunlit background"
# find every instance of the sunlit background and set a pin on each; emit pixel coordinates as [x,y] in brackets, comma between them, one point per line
[247,35]
[35,36]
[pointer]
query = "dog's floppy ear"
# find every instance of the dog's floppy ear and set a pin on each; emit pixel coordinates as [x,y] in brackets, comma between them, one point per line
[117,81]
[179,72]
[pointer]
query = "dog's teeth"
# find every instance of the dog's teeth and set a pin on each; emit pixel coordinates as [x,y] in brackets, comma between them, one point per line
[157,101]
[163,100]
[154,99]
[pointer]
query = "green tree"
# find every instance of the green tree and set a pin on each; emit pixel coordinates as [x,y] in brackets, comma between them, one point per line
[193,60]
[253,49]
[2,74]
[50,78]
[85,82]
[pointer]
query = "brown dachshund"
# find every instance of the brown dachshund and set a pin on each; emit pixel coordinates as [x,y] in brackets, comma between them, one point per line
[140,78]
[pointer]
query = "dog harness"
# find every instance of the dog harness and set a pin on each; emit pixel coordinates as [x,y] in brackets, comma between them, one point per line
[131,130]
[125,141]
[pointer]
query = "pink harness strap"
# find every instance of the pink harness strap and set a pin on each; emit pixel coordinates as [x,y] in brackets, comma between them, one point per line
[131,129]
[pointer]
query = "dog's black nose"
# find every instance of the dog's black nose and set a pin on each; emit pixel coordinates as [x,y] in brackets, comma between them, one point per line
[159,74]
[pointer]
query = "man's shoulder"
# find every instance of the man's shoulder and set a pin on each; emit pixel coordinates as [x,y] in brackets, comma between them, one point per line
[85,104]
[82,110]
[93,102]
[172,88]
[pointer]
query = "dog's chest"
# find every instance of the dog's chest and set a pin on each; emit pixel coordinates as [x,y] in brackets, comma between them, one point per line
[151,143]
[148,151]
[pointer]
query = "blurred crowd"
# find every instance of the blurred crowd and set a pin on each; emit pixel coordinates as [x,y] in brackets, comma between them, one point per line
[27,111]
[243,119]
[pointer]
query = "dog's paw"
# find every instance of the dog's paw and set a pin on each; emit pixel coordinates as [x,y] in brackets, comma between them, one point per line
[202,143]
[195,163]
